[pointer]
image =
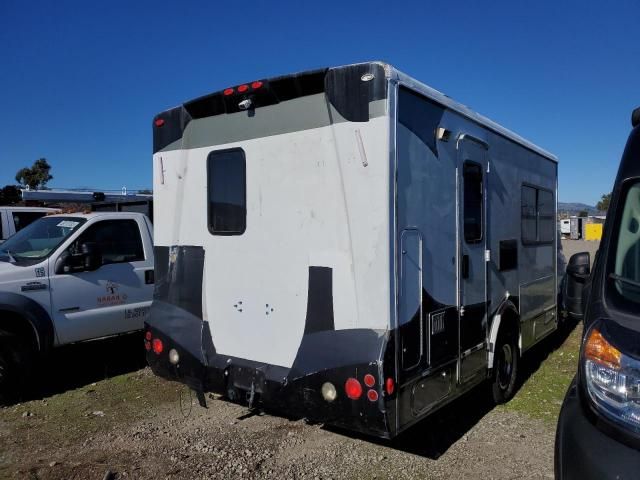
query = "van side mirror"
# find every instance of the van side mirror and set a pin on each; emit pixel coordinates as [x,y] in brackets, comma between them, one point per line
[92,259]
[580,265]
[578,271]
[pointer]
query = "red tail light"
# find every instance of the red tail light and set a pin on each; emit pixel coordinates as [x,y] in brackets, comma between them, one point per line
[369,380]
[243,88]
[227,91]
[353,389]
[372,395]
[157,346]
[389,386]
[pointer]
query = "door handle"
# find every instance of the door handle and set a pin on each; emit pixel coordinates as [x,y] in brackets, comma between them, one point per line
[465,266]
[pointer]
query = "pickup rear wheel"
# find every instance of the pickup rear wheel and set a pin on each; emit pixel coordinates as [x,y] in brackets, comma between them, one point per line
[505,367]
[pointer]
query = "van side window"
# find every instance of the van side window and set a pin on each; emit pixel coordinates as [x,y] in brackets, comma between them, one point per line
[226,186]
[473,202]
[537,215]
[117,241]
[22,219]
[627,253]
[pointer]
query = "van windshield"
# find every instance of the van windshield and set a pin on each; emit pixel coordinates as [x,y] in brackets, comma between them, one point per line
[627,254]
[39,239]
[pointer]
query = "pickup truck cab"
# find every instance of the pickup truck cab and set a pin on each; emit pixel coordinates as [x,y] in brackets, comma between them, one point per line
[71,278]
[14,219]
[598,433]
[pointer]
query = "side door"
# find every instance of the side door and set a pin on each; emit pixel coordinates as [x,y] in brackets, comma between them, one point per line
[111,298]
[472,275]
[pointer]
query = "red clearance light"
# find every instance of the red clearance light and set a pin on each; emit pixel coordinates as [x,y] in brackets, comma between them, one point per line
[159,122]
[372,395]
[243,88]
[390,386]
[256,85]
[353,389]
[157,346]
[369,380]
[147,336]
[227,91]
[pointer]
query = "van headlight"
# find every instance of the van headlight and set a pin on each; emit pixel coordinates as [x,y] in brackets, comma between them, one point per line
[612,381]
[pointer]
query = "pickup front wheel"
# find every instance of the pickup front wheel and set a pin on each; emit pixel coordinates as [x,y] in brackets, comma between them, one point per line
[14,367]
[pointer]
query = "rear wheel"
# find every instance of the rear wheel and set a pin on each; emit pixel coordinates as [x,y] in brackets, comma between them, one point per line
[505,367]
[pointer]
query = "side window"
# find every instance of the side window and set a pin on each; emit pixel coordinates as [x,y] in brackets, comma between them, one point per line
[226,186]
[537,215]
[546,223]
[117,241]
[529,217]
[627,248]
[473,204]
[22,219]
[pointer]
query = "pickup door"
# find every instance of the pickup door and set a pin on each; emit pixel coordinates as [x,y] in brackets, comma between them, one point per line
[115,297]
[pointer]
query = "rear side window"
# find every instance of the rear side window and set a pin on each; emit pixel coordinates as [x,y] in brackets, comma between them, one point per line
[537,207]
[118,241]
[473,204]
[227,186]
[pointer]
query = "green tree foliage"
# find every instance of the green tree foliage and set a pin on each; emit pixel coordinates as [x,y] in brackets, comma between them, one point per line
[583,213]
[35,177]
[603,204]
[9,195]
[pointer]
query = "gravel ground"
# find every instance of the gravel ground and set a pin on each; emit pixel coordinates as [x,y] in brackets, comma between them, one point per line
[466,440]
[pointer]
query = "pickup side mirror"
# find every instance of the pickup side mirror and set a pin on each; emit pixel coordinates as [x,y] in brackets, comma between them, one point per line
[92,259]
[578,270]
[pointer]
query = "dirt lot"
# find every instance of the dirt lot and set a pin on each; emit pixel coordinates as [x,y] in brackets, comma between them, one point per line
[98,410]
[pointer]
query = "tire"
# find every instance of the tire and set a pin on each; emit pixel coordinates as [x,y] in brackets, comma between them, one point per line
[15,368]
[505,367]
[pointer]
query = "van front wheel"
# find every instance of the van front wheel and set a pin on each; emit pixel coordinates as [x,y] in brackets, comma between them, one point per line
[505,368]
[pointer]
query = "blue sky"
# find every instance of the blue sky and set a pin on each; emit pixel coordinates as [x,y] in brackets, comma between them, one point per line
[81,81]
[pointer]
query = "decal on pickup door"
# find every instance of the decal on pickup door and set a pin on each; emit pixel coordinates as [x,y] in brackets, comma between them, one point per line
[112,297]
[138,312]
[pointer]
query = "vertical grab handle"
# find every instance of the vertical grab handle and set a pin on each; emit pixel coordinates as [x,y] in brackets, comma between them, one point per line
[465,266]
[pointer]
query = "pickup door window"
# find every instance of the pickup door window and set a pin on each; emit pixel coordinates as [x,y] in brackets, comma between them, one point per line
[111,299]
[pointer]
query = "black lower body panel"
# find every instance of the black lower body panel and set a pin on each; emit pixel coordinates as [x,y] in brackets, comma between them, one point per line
[585,452]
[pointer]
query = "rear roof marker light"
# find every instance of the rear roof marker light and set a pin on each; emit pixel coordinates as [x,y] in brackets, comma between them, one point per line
[255,85]
[159,122]
[243,88]
[227,91]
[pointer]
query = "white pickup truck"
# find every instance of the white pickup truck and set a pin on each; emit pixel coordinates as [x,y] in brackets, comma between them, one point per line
[70,278]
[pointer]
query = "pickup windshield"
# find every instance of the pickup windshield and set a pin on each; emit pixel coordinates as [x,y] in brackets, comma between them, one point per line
[627,256]
[39,239]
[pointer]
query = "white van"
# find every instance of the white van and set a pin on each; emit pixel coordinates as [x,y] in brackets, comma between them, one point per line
[14,219]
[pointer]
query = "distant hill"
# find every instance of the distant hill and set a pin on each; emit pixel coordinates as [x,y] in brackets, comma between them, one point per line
[575,208]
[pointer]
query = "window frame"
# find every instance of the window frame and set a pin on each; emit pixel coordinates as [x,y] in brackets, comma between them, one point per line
[210,156]
[537,189]
[464,201]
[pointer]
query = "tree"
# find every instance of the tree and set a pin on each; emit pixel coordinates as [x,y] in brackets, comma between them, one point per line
[583,213]
[9,195]
[603,204]
[35,177]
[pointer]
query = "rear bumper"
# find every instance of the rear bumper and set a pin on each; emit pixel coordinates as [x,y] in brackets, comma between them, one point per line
[583,451]
[285,391]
